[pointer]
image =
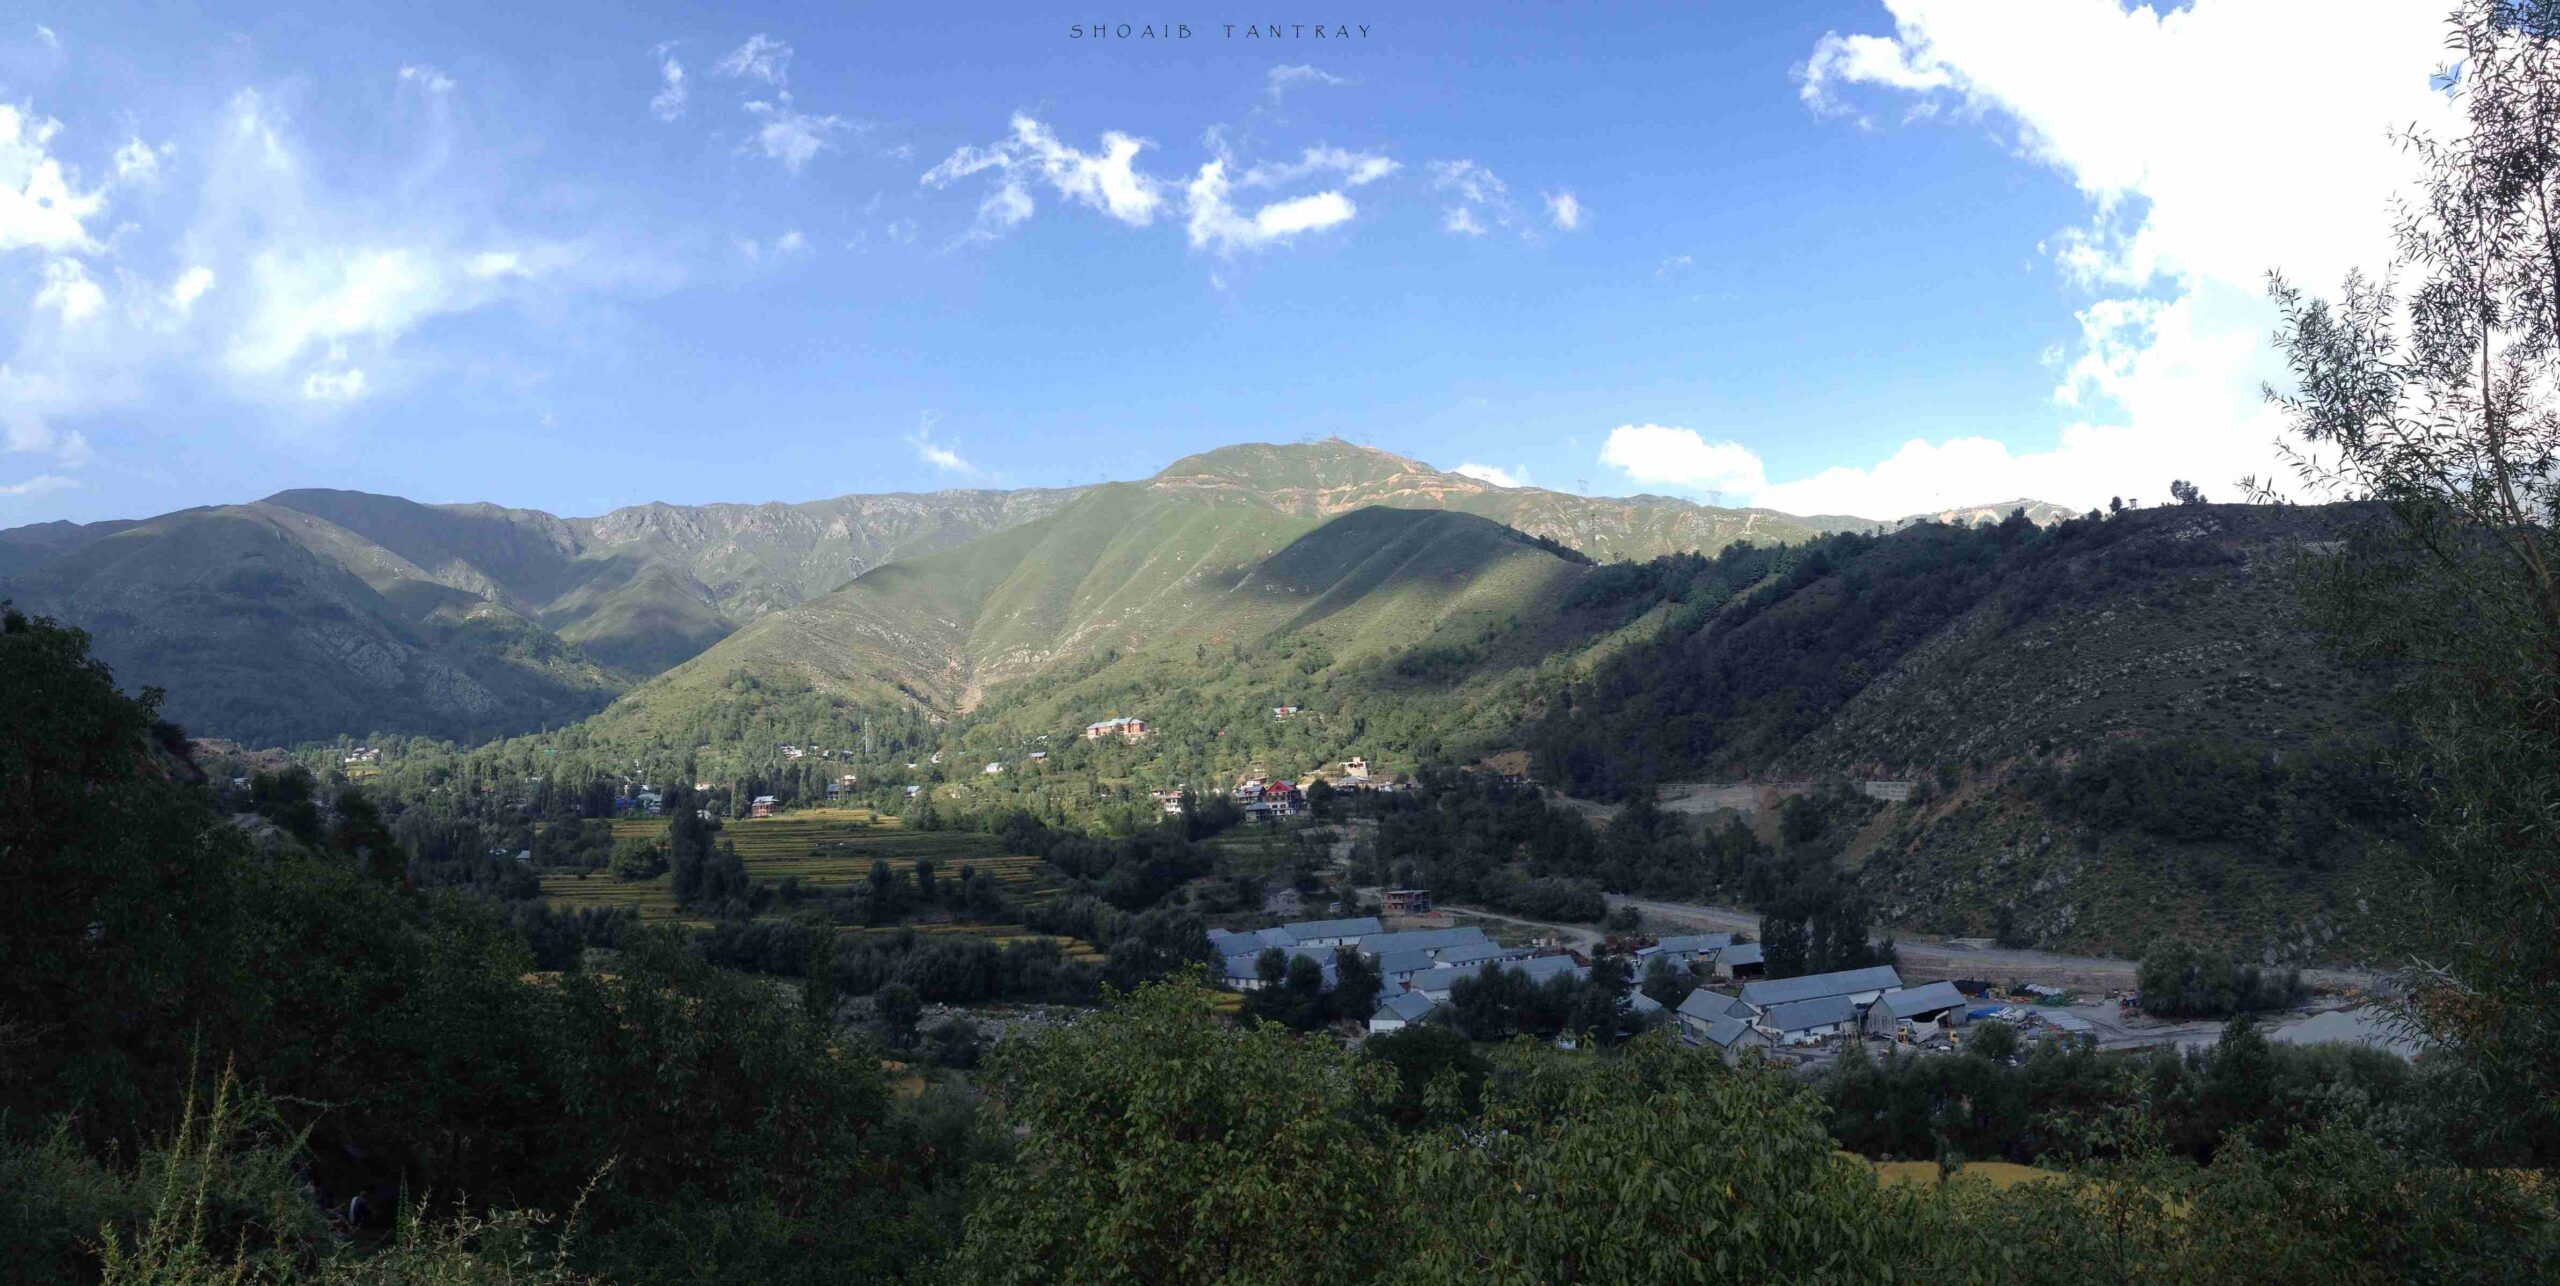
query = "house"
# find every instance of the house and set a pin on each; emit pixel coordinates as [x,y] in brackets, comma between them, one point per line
[1432,942]
[1683,949]
[993,769]
[1859,986]
[1244,972]
[1739,961]
[1803,1022]
[1267,799]
[793,752]
[1405,902]
[1918,1012]
[1537,969]
[649,801]
[1402,1011]
[763,806]
[1705,1005]
[363,755]
[1335,933]
[1038,755]
[1727,1034]
[913,791]
[1356,768]
[1511,766]
[1170,801]
[1287,712]
[1283,900]
[836,789]
[1125,728]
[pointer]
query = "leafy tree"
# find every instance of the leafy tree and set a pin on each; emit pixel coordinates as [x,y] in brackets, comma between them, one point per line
[1160,1144]
[2451,432]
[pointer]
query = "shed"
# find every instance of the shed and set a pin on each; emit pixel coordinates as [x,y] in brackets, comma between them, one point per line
[1402,1011]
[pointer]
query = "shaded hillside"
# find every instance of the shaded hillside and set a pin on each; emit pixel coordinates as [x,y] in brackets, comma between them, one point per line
[260,636]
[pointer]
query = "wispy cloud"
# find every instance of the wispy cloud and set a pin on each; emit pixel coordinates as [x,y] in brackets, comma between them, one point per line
[1564,210]
[762,58]
[669,102]
[426,78]
[789,137]
[1107,180]
[1280,80]
[42,483]
[945,458]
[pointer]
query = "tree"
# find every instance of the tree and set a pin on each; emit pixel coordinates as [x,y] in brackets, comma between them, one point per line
[2185,492]
[1668,984]
[1161,1144]
[900,1009]
[2453,433]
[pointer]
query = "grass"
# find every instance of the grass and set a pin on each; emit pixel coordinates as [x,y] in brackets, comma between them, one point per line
[825,848]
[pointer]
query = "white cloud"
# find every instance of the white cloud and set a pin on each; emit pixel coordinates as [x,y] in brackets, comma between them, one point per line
[942,457]
[42,483]
[761,58]
[1676,263]
[789,137]
[190,287]
[1280,80]
[1356,168]
[1514,476]
[2186,213]
[136,162]
[426,78]
[1661,455]
[1216,224]
[41,208]
[1107,180]
[45,34]
[782,247]
[1482,199]
[1564,210]
[69,292]
[334,386]
[668,103]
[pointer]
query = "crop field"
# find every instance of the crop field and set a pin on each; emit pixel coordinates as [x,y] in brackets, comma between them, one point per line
[824,848]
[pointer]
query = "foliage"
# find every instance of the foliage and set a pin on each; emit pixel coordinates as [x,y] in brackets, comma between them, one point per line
[2181,980]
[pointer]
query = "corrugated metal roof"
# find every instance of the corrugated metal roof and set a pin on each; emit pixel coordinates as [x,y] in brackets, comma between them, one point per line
[1747,953]
[1423,940]
[1355,927]
[1723,1032]
[1411,1007]
[1690,943]
[1782,991]
[1923,999]
[1703,1004]
[1804,1015]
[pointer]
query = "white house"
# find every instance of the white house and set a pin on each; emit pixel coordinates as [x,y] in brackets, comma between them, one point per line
[1402,1011]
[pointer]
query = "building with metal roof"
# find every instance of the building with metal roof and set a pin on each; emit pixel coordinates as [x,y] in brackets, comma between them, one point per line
[1402,1011]
[1335,933]
[1802,1022]
[1435,941]
[1861,985]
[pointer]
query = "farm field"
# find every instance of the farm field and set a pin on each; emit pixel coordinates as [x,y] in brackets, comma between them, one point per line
[824,848]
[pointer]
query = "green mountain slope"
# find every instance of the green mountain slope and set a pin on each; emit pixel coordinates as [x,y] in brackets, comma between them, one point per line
[260,634]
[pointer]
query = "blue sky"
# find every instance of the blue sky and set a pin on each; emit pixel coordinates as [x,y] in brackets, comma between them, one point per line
[1840,257]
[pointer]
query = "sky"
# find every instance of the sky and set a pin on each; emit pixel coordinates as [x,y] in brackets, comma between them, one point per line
[1863,258]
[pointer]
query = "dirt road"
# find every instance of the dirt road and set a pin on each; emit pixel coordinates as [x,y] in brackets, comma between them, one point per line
[1924,959]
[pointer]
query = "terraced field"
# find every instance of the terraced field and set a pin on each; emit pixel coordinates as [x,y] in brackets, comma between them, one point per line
[824,848]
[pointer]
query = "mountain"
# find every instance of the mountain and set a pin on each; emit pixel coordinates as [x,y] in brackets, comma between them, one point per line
[924,601]
[269,625]
[316,613]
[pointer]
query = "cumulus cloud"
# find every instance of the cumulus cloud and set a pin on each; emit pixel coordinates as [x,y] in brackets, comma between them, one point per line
[41,206]
[1280,80]
[258,274]
[1564,210]
[762,58]
[669,102]
[1666,456]
[69,292]
[1107,180]
[2185,213]
[1515,476]
[782,247]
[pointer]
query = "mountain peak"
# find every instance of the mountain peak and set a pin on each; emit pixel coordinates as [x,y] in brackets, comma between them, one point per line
[1318,479]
